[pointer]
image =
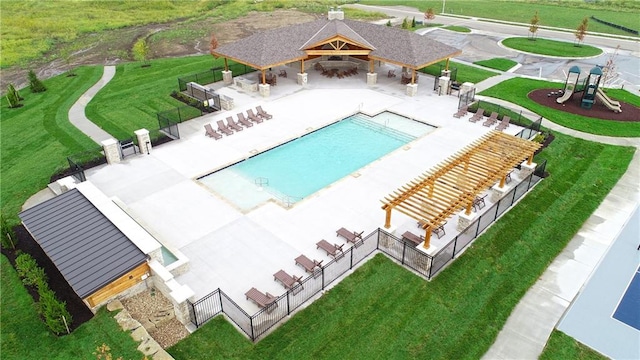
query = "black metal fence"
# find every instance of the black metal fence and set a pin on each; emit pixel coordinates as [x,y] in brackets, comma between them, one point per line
[82,161]
[212,75]
[620,27]
[466,98]
[257,325]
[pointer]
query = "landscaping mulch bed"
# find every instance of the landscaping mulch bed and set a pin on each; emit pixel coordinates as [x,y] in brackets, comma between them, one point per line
[598,110]
[76,307]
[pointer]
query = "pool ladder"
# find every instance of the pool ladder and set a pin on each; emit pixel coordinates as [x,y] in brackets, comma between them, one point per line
[261,181]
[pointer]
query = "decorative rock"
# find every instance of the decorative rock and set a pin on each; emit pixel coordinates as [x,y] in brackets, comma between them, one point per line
[149,346]
[122,315]
[114,305]
[140,334]
[129,324]
[147,324]
[160,316]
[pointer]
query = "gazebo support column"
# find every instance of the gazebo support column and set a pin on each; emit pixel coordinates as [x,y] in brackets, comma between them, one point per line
[263,76]
[465,218]
[372,77]
[264,89]
[427,238]
[527,168]
[387,218]
[227,75]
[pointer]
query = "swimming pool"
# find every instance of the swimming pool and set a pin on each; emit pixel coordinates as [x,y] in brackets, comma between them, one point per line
[292,171]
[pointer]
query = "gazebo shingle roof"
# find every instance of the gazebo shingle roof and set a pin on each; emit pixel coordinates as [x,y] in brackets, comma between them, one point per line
[287,44]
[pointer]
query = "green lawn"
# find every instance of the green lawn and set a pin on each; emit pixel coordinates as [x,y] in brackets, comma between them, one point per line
[466,73]
[37,138]
[562,346]
[24,335]
[501,64]
[384,311]
[551,47]
[516,90]
[461,29]
[564,14]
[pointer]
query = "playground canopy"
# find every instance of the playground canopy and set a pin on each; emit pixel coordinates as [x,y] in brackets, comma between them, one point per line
[454,184]
[360,40]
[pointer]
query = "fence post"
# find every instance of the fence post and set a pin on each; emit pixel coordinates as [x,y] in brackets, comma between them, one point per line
[322,268]
[404,249]
[251,324]
[220,296]
[378,240]
[513,198]
[478,226]
[288,307]
[455,247]
[351,251]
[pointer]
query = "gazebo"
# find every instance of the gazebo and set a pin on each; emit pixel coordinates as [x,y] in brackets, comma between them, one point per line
[334,39]
[454,184]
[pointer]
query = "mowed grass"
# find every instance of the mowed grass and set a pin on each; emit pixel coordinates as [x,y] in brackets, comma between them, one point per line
[516,90]
[24,335]
[383,311]
[465,73]
[563,14]
[461,29]
[501,64]
[562,346]
[37,138]
[551,47]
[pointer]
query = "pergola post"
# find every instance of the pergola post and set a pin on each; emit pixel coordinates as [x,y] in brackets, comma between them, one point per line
[226,65]
[427,238]
[469,206]
[413,76]
[387,218]
[371,65]
[446,66]
[502,181]
[530,160]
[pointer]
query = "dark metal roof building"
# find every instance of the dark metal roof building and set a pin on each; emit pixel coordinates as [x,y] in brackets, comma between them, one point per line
[88,249]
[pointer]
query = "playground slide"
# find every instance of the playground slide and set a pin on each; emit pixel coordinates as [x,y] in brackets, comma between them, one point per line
[607,102]
[568,91]
[612,102]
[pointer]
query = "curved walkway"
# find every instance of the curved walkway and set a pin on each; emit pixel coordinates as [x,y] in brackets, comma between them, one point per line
[76,113]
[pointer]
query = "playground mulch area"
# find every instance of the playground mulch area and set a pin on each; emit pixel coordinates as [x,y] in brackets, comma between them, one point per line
[598,110]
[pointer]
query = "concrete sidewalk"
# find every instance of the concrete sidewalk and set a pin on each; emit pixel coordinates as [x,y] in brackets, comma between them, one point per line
[76,113]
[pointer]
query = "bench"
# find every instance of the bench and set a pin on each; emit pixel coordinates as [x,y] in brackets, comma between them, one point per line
[417,240]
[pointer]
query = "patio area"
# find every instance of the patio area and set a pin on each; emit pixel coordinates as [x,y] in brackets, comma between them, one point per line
[236,251]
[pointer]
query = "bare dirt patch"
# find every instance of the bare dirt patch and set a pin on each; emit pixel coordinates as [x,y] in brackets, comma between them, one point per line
[174,39]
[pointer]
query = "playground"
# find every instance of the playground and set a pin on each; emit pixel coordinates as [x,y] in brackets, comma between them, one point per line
[585,98]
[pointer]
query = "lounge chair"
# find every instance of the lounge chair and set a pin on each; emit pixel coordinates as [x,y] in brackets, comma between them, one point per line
[223,128]
[417,240]
[232,124]
[263,114]
[288,281]
[211,133]
[243,119]
[478,202]
[391,74]
[479,115]
[283,73]
[438,231]
[253,117]
[308,265]
[491,119]
[244,122]
[350,236]
[333,250]
[461,112]
[504,123]
[262,300]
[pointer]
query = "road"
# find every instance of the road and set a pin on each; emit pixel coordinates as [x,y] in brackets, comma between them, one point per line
[483,43]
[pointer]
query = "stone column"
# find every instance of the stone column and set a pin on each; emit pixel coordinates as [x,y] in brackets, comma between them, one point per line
[302,79]
[180,306]
[144,141]
[227,77]
[465,220]
[526,170]
[497,192]
[412,89]
[466,87]
[372,78]
[226,102]
[265,89]
[446,73]
[443,84]
[111,151]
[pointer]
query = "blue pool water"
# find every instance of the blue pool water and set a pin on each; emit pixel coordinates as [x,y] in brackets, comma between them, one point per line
[628,310]
[299,168]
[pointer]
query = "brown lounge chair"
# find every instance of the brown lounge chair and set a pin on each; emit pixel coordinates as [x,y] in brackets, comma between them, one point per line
[223,128]
[333,250]
[232,124]
[417,240]
[262,300]
[211,133]
[491,119]
[504,123]
[263,114]
[288,281]
[478,202]
[391,74]
[479,115]
[283,73]
[350,236]
[438,231]
[242,120]
[253,117]
[308,265]
[461,112]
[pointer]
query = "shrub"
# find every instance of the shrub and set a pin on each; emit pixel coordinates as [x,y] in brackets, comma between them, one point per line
[13,98]
[389,23]
[29,271]
[7,236]
[141,51]
[35,84]
[405,23]
[53,311]
[413,22]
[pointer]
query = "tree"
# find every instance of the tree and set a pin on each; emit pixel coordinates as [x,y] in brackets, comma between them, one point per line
[429,15]
[581,31]
[405,23]
[389,23]
[609,72]
[7,234]
[413,23]
[35,84]
[13,98]
[213,44]
[141,52]
[533,28]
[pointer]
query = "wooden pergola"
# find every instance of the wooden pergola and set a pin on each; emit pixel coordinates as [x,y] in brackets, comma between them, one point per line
[454,184]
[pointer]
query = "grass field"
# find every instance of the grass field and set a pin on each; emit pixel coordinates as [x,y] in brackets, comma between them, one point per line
[461,29]
[562,346]
[564,14]
[465,73]
[551,47]
[515,91]
[384,311]
[501,64]
[24,335]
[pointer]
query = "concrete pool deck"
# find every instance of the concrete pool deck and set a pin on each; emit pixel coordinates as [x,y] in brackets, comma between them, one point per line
[234,251]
